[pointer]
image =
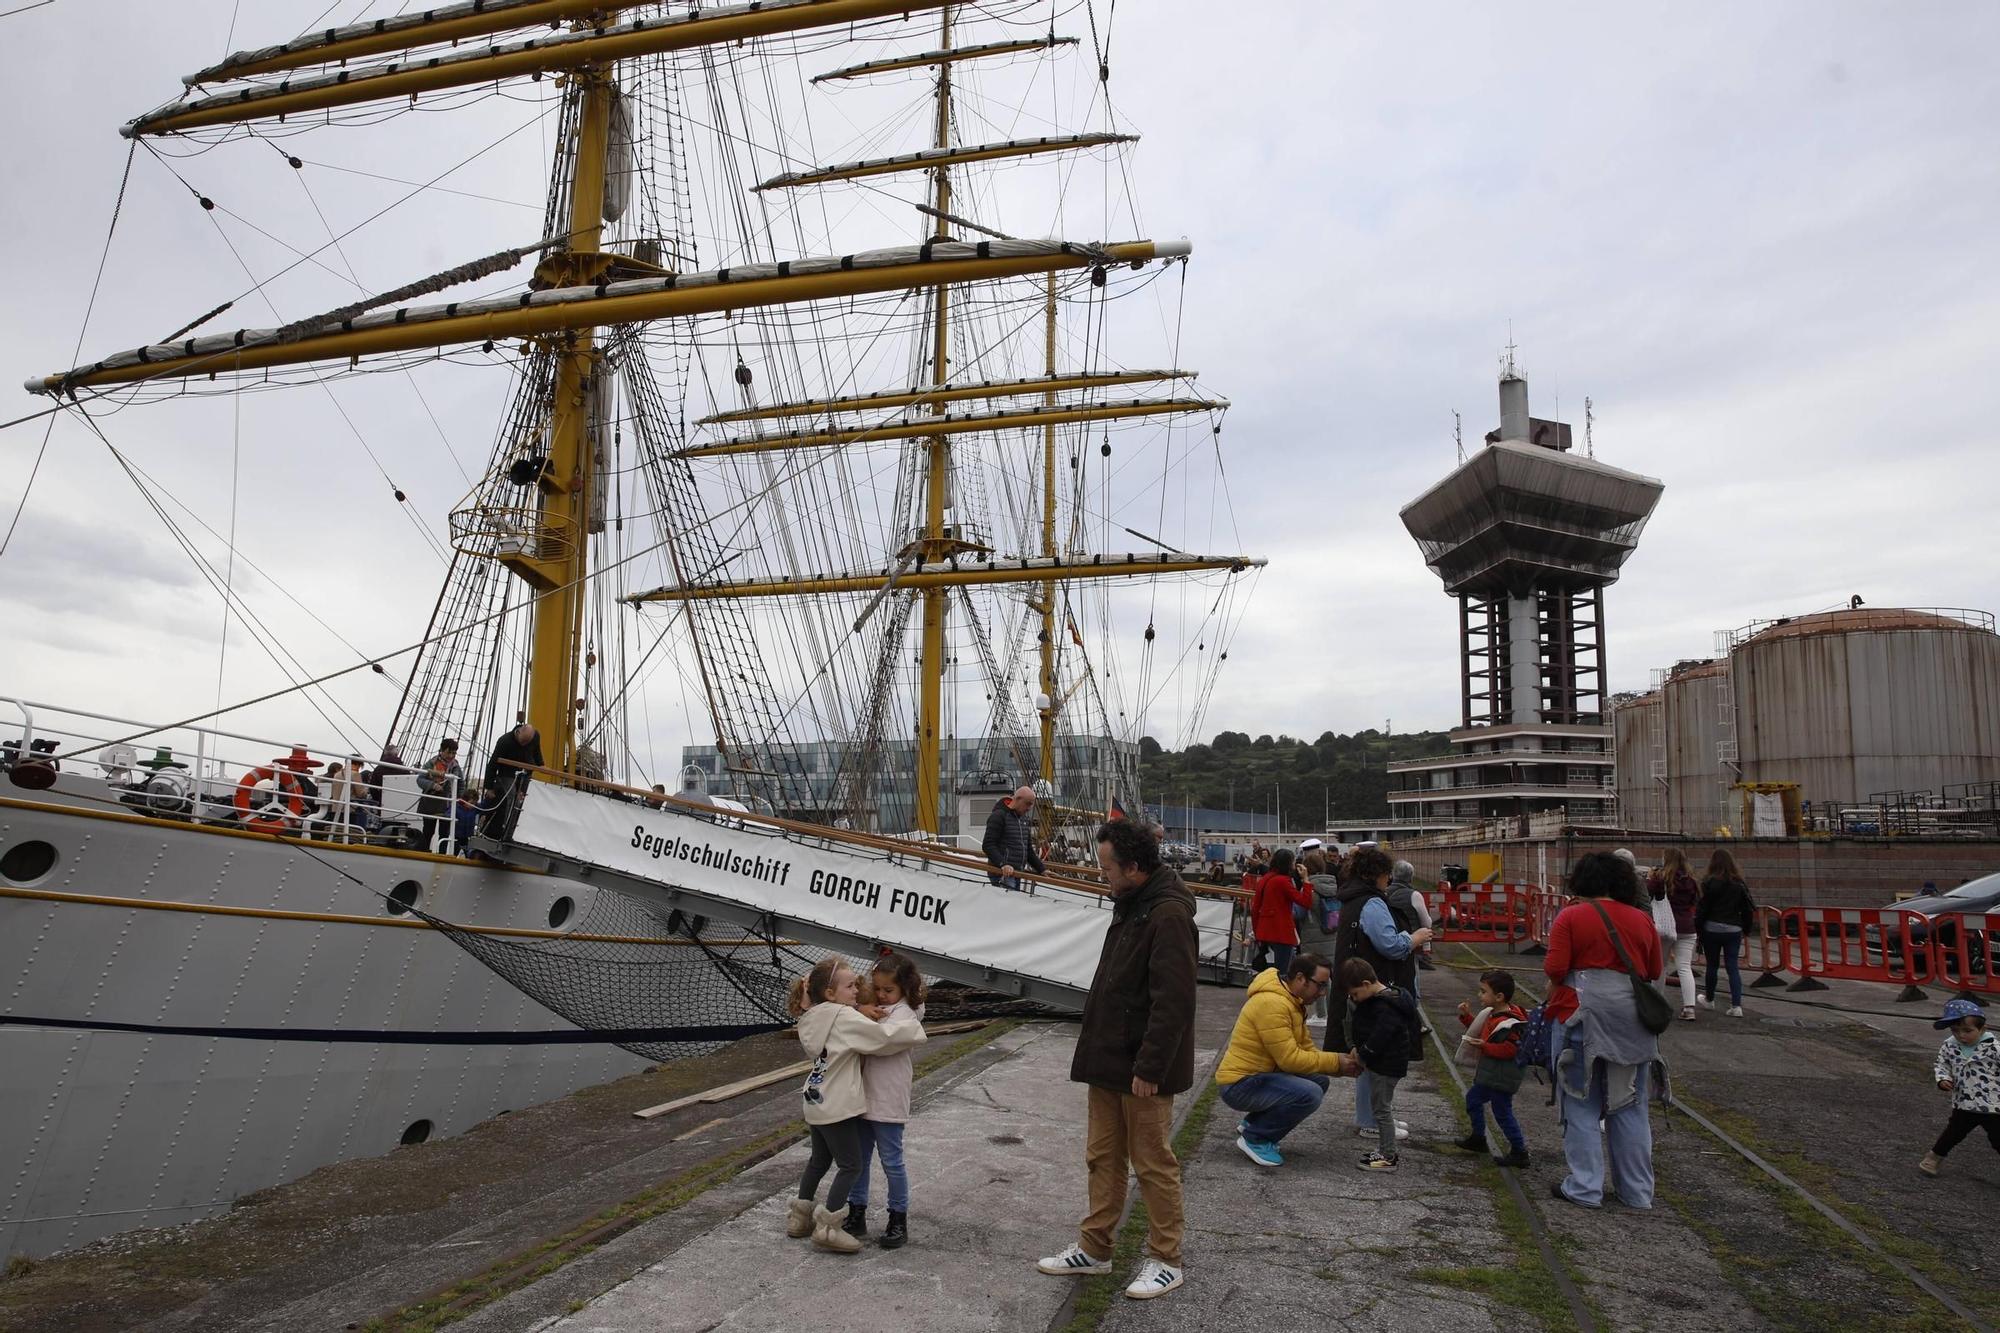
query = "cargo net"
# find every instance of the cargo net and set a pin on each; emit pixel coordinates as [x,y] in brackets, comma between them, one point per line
[673,986]
[661,987]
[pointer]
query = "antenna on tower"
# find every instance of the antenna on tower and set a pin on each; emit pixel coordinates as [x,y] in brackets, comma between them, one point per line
[1458,435]
[1589,448]
[1508,371]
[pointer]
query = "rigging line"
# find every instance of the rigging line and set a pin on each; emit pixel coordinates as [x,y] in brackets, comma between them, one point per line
[536,119]
[367,663]
[355,278]
[258,289]
[9,13]
[434,189]
[207,572]
[248,563]
[117,207]
[229,567]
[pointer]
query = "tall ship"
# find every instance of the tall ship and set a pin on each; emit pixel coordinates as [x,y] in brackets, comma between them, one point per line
[882,463]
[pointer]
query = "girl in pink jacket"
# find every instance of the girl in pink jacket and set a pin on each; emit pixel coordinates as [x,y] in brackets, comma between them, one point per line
[899,999]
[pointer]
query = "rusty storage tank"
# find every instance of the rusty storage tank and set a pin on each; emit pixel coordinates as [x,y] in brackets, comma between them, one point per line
[1853,702]
[1641,802]
[1694,705]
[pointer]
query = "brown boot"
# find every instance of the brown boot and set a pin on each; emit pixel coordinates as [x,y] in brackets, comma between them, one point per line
[799,1219]
[827,1233]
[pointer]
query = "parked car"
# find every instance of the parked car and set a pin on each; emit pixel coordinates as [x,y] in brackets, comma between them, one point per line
[1940,913]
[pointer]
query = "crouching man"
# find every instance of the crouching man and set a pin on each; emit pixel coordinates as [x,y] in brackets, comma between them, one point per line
[1273,1072]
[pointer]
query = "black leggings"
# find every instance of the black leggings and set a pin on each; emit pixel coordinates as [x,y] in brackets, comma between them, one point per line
[838,1145]
[1963,1123]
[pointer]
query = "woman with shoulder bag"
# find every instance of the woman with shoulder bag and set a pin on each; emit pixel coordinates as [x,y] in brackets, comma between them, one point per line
[1603,956]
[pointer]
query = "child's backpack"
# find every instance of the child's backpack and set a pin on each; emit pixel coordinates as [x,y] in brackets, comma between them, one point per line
[1329,913]
[1537,1050]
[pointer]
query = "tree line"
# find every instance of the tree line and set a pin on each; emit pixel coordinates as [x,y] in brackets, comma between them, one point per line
[1298,778]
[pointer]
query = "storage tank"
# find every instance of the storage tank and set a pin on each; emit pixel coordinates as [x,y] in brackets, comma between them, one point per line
[1694,705]
[1641,801]
[1849,703]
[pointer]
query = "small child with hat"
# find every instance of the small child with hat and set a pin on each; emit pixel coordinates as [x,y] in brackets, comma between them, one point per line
[1968,1067]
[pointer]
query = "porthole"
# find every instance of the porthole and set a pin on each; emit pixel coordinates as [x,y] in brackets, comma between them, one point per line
[418,1131]
[401,899]
[26,862]
[560,911]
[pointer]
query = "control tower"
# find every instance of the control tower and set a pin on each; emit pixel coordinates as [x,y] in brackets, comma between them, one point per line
[1526,535]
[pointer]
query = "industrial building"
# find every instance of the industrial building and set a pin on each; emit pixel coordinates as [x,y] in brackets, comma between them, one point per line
[1526,535]
[1870,720]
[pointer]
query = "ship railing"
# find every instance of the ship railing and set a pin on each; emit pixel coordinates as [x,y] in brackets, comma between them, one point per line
[193,773]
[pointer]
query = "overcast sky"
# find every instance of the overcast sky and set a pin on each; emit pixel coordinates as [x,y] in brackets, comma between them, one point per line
[1761,238]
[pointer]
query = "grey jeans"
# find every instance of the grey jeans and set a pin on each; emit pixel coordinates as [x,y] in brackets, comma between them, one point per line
[1382,1104]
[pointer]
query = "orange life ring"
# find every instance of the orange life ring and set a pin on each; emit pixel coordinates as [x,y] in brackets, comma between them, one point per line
[285,797]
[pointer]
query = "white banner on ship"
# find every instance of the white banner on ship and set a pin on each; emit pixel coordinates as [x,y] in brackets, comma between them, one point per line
[1052,934]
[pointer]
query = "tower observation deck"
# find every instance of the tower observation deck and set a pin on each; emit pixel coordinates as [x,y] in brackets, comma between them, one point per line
[1526,535]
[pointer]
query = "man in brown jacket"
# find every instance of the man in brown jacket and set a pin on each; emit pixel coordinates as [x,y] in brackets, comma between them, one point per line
[1136,1051]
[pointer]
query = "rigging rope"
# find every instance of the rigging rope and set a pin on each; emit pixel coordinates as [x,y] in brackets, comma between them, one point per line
[117,207]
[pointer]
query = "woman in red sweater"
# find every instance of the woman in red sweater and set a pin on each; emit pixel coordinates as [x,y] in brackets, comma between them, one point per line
[1272,899]
[1605,1058]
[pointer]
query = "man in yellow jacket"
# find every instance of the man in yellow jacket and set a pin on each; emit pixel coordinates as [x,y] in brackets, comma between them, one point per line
[1273,1072]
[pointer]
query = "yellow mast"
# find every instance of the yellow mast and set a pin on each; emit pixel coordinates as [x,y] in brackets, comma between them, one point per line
[943,423]
[1045,808]
[556,641]
[933,547]
[577,292]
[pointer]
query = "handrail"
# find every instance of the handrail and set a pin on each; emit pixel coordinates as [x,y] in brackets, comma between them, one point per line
[211,783]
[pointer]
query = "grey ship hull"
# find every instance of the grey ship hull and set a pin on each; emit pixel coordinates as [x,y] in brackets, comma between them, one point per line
[103,1131]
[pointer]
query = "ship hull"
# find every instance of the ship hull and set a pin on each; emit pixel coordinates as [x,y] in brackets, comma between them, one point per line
[103,1131]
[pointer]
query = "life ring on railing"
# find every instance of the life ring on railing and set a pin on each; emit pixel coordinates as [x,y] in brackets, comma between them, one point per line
[278,811]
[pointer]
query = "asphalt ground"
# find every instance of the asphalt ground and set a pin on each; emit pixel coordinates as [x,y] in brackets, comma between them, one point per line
[1831,1088]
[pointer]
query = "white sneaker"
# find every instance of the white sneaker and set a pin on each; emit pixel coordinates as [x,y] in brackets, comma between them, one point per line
[1315,1022]
[1076,1262]
[1154,1279]
[1703,1001]
[1736,1011]
[1369,1131]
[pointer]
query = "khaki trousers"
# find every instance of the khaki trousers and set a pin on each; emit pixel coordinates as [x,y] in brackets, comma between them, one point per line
[1135,1131]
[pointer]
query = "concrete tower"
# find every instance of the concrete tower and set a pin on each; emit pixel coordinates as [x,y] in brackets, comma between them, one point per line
[1526,535]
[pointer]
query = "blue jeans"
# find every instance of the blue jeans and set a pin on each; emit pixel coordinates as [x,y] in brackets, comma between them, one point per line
[881,1138]
[1629,1132]
[1281,955]
[1724,947]
[1478,1100]
[1273,1104]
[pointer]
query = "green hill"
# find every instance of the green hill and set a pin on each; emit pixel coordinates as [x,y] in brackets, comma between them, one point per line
[1348,774]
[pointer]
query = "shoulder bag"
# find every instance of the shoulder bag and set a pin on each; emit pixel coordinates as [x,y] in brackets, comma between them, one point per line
[1655,1014]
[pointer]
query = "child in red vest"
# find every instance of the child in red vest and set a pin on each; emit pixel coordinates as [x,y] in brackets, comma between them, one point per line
[1492,1037]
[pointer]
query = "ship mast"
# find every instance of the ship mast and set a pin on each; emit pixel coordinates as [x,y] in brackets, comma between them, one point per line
[579,288]
[559,579]
[937,485]
[1045,810]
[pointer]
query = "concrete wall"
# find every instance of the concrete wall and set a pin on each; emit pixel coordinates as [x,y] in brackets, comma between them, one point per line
[1801,872]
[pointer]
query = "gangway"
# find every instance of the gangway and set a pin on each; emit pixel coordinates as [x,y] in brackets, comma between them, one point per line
[853,894]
